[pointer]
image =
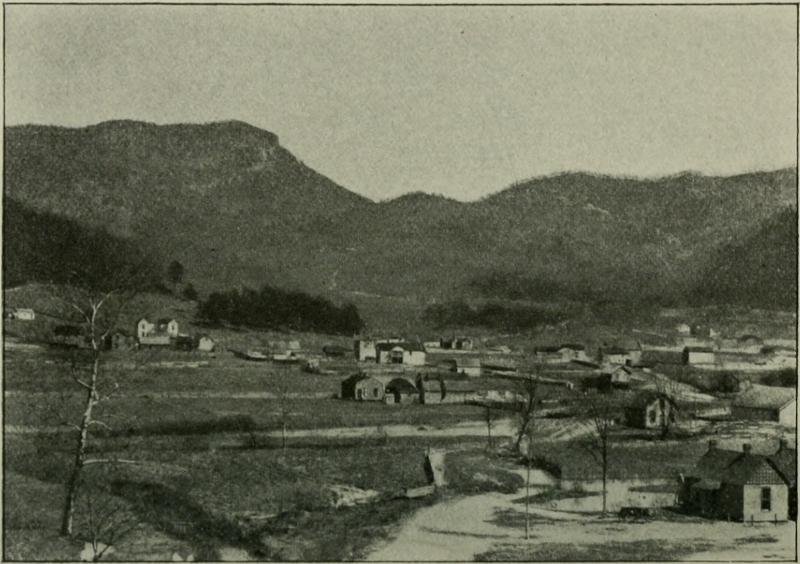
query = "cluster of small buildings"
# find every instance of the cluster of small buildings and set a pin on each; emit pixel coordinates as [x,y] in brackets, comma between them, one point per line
[20,313]
[162,333]
[389,351]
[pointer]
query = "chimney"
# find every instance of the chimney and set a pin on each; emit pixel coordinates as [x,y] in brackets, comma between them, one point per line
[747,448]
[712,444]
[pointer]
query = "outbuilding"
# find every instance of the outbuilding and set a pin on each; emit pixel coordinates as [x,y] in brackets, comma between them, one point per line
[766,403]
[362,387]
[698,355]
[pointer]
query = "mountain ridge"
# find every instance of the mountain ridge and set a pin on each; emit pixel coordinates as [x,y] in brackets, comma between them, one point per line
[235,207]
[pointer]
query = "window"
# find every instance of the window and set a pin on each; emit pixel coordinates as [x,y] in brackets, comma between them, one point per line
[766,499]
[652,416]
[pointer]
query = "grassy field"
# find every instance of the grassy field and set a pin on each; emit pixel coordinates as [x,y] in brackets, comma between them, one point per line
[611,551]
[271,502]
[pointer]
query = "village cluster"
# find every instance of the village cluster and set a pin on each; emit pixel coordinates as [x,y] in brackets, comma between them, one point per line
[727,484]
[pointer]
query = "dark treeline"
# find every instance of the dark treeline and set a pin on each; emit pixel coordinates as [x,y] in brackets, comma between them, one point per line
[44,247]
[273,308]
[491,315]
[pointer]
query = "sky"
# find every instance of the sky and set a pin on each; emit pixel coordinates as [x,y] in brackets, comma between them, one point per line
[458,101]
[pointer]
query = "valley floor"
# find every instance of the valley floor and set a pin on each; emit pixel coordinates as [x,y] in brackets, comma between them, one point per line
[491,527]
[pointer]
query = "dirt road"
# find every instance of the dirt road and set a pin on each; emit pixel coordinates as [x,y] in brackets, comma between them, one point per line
[463,528]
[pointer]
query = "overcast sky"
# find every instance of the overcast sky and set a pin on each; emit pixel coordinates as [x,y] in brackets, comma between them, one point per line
[460,101]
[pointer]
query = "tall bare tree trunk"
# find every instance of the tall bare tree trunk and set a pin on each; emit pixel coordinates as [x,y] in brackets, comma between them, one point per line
[605,473]
[80,451]
[528,494]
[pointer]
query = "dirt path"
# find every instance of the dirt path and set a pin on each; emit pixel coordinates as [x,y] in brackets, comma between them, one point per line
[462,528]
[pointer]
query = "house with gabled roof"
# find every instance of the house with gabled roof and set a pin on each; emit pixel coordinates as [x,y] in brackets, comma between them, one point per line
[362,387]
[736,485]
[766,403]
[411,354]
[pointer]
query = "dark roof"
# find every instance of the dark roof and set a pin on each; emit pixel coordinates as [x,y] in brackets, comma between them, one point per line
[765,397]
[548,349]
[786,462]
[165,320]
[355,378]
[645,397]
[401,385]
[614,350]
[734,467]
[698,349]
[573,346]
[410,347]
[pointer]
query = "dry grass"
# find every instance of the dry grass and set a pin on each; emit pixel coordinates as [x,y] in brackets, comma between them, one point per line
[612,551]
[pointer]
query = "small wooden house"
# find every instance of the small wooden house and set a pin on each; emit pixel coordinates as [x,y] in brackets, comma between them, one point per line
[615,377]
[650,411]
[23,314]
[456,343]
[698,355]
[411,354]
[362,387]
[144,328]
[615,355]
[205,344]
[736,485]
[766,403]
[470,367]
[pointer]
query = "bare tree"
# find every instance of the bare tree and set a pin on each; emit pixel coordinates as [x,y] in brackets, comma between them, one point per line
[282,391]
[598,442]
[667,393]
[530,398]
[104,520]
[490,416]
[95,299]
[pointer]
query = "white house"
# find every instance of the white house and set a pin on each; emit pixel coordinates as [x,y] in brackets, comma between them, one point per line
[24,314]
[205,344]
[144,328]
[169,326]
[698,355]
[365,350]
[411,354]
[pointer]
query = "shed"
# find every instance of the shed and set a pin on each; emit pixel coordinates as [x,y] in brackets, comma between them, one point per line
[205,343]
[363,387]
[24,314]
[467,367]
[766,403]
[617,377]
[698,355]
[615,355]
